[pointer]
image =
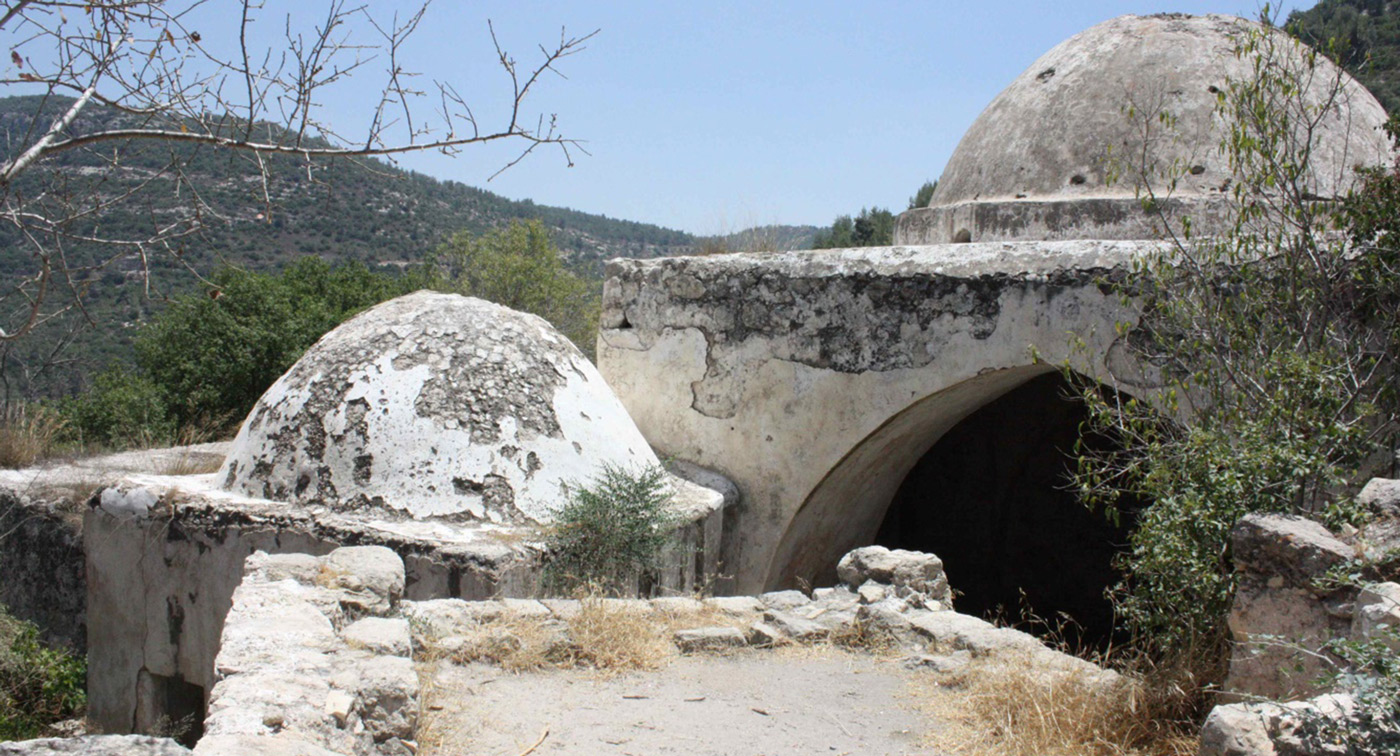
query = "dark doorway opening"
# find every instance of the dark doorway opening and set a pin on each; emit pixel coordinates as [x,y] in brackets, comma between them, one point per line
[991,499]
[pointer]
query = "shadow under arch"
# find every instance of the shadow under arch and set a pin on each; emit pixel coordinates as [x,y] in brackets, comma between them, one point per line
[975,473]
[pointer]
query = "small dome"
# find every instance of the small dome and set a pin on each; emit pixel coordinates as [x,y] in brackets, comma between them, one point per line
[435,405]
[1033,165]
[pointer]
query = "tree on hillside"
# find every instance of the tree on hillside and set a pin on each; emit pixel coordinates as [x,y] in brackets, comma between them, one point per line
[1365,36]
[922,197]
[873,227]
[186,79]
[517,266]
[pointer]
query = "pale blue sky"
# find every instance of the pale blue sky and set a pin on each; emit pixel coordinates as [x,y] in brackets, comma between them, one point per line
[713,116]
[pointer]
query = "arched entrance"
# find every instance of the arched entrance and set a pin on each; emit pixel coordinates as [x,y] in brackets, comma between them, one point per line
[977,474]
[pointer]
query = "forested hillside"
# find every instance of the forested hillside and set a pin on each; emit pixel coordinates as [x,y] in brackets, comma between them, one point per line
[1367,34]
[342,210]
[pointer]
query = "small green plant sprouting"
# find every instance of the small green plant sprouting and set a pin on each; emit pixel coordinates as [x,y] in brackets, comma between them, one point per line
[610,534]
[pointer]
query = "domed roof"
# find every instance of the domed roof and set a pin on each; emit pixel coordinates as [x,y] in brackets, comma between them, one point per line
[435,405]
[1043,143]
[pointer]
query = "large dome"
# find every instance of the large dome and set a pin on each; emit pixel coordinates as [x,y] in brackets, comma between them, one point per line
[1034,165]
[435,406]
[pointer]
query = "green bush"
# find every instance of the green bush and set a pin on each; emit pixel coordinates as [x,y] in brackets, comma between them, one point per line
[610,533]
[519,267]
[203,362]
[38,685]
[213,356]
[123,409]
[1371,672]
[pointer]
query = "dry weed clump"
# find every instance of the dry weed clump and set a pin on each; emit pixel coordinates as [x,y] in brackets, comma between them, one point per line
[27,434]
[612,637]
[515,643]
[604,636]
[1011,706]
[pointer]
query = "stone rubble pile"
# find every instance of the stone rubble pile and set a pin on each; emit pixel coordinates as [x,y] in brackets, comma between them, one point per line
[899,595]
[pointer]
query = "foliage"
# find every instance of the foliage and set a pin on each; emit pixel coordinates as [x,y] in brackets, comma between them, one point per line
[123,409]
[1366,36]
[519,267]
[205,360]
[922,197]
[38,685]
[873,227]
[212,356]
[1268,342]
[1371,673]
[610,533]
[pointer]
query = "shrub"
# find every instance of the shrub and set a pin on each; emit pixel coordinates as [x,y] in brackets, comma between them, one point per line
[610,533]
[123,409]
[38,685]
[519,267]
[213,356]
[1372,675]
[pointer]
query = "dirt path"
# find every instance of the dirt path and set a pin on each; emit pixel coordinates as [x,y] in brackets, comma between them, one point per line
[751,703]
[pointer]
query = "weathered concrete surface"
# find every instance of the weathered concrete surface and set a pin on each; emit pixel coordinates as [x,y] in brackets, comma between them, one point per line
[1034,164]
[436,406]
[816,380]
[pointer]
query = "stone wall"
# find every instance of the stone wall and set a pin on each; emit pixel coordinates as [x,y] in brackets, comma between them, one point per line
[314,659]
[42,568]
[164,557]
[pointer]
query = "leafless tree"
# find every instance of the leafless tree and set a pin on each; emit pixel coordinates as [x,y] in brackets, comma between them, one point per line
[162,75]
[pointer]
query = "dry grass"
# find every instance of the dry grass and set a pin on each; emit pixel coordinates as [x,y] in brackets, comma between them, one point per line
[611,638]
[604,636]
[190,461]
[859,636]
[1012,707]
[193,463]
[27,434]
[515,643]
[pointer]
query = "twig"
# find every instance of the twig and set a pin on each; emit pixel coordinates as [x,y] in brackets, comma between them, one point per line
[537,744]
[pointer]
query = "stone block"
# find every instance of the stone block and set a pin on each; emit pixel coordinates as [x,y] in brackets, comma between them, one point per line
[904,571]
[797,628]
[735,605]
[709,639]
[370,578]
[380,635]
[784,600]
[1381,496]
[1377,609]
[674,605]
